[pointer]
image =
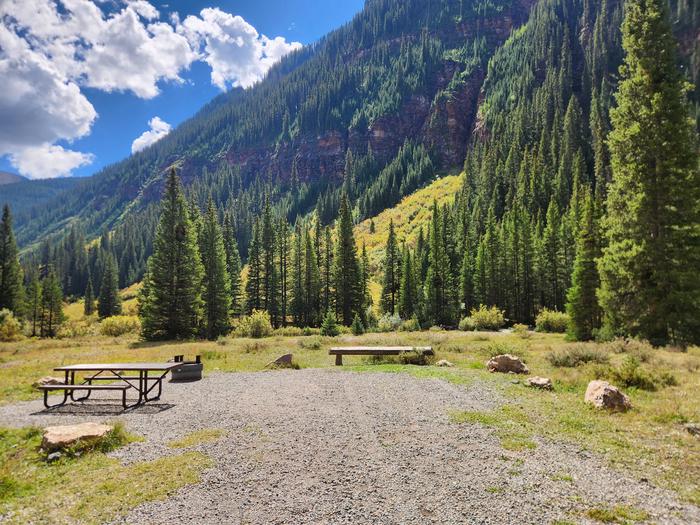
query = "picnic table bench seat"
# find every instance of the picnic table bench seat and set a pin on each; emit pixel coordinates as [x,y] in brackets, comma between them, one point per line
[340,351]
[68,390]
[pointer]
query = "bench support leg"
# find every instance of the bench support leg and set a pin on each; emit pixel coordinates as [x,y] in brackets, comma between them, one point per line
[339,360]
[46,399]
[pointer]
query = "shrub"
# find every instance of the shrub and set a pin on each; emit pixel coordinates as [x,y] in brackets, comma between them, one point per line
[415,357]
[313,343]
[487,318]
[389,323]
[631,374]
[255,325]
[551,321]
[436,328]
[521,330]
[574,356]
[357,326]
[311,331]
[498,348]
[119,325]
[371,319]
[329,327]
[410,325]
[467,324]
[10,327]
[289,331]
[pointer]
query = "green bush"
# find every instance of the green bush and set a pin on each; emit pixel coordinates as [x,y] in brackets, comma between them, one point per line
[312,343]
[410,325]
[311,331]
[255,325]
[630,374]
[487,318]
[576,355]
[389,323]
[415,357]
[289,331]
[357,326]
[119,325]
[10,327]
[329,327]
[521,330]
[552,321]
[467,325]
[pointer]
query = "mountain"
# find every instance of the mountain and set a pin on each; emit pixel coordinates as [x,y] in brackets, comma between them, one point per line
[10,178]
[404,92]
[27,197]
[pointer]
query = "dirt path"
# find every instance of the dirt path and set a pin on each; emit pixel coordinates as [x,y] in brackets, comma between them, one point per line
[324,446]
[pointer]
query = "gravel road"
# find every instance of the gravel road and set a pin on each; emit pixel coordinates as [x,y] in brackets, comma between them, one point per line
[327,446]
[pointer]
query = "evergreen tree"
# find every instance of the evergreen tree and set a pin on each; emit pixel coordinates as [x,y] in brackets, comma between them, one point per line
[34,303]
[269,280]
[311,283]
[171,300]
[391,283]
[298,300]
[552,259]
[109,303]
[216,291]
[233,265]
[582,303]
[346,272]
[11,285]
[439,285]
[51,314]
[650,285]
[364,282]
[408,298]
[253,286]
[283,273]
[89,305]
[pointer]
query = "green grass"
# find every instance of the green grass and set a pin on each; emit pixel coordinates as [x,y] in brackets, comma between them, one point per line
[90,488]
[512,425]
[621,514]
[197,437]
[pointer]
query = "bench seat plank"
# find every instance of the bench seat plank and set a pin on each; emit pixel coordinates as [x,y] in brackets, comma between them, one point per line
[83,387]
[379,350]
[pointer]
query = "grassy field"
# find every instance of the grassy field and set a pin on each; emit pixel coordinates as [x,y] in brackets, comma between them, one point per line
[648,441]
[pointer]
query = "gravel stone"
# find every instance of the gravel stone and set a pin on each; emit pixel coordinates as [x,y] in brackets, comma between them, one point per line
[327,446]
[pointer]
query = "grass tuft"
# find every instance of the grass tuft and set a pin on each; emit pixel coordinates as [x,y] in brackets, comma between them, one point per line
[620,514]
[197,437]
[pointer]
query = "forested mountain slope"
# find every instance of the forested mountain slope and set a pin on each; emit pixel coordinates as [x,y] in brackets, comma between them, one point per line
[377,109]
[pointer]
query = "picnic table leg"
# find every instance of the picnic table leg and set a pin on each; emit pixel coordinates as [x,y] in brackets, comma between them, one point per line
[339,360]
[46,399]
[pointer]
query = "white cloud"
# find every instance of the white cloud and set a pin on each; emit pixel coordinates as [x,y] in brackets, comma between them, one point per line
[48,161]
[50,49]
[234,50]
[159,129]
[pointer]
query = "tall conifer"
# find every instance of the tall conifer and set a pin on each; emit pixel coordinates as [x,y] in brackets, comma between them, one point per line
[109,303]
[216,291]
[11,287]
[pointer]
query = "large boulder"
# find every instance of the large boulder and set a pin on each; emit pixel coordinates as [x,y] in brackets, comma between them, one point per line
[507,364]
[283,361]
[602,394]
[63,436]
[543,383]
[48,380]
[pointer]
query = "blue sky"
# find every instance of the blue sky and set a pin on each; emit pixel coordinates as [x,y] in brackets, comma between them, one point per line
[67,136]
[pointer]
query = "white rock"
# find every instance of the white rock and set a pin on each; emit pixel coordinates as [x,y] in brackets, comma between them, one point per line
[444,362]
[543,383]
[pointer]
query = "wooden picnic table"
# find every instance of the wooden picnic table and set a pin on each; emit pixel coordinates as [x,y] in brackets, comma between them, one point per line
[124,373]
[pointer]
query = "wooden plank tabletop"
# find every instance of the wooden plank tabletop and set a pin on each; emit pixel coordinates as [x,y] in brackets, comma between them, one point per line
[378,350]
[116,367]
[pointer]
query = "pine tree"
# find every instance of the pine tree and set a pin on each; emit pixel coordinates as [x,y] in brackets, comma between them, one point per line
[216,291]
[89,306]
[269,281]
[233,265]
[364,282]
[440,292]
[311,283]
[34,302]
[171,296]
[552,259]
[11,285]
[253,286]
[582,303]
[283,271]
[346,272]
[51,315]
[298,300]
[109,303]
[391,283]
[649,270]
[408,298]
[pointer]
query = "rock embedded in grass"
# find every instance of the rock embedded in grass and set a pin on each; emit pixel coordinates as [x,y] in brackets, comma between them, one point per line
[48,380]
[283,361]
[602,394]
[543,383]
[63,436]
[507,364]
[444,362]
[693,429]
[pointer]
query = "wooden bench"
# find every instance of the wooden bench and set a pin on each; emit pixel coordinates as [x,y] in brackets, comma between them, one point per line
[69,389]
[340,351]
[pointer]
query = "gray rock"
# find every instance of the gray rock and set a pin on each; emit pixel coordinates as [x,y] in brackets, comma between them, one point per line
[602,394]
[693,429]
[283,361]
[543,383]
[444,362]
[54,456]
